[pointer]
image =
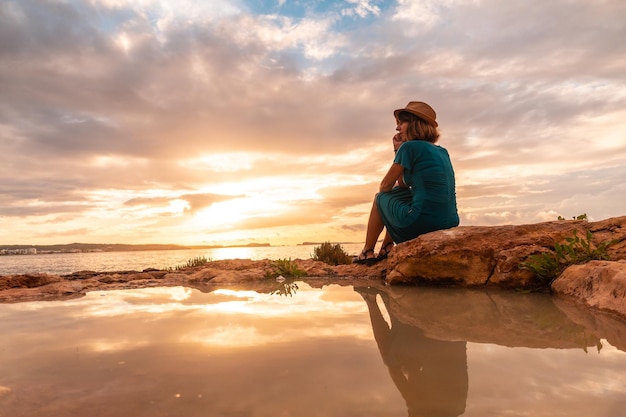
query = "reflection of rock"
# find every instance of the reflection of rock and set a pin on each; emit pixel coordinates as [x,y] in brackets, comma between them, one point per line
[605,325]
[497,317]
[598,284]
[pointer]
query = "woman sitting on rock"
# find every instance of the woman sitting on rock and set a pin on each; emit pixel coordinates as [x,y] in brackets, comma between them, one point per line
[428,201]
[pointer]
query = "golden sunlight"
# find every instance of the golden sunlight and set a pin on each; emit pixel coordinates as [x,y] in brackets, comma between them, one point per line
[233,253]
[226,214]
[223,162]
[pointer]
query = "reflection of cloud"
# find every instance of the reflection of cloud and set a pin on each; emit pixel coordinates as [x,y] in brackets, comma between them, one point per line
[162,300]
[234,336]
[159,304]
[594,383]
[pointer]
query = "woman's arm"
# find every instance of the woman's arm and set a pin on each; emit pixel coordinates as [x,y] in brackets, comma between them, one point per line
[397,141]
[394,174]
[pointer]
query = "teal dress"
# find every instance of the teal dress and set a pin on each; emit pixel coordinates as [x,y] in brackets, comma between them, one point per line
[430,202]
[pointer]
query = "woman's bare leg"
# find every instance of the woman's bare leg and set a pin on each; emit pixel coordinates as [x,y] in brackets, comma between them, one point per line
[375,227]
[387,240]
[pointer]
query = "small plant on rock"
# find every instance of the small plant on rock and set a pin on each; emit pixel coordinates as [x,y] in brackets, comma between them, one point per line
[331,254]
[285,268]
[582,217]
[191,263]
[547,266]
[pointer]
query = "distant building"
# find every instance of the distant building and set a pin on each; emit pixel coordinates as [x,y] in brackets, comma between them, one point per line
[23,251]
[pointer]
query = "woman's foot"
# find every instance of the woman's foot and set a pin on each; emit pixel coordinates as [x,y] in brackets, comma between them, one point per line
[366,257]
[384,251]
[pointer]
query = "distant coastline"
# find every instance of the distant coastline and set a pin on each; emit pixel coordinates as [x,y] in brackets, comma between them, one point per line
[319,243]
[108,247]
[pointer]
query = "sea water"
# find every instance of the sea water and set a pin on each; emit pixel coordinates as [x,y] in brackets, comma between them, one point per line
[66,263]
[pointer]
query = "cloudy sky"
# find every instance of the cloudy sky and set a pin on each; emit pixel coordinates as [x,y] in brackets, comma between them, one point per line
[228,122]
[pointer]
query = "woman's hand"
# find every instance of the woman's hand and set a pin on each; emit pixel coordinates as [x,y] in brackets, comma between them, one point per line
[397,141]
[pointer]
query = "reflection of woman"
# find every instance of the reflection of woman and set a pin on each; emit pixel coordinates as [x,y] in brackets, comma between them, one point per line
[429,201]
[430,374]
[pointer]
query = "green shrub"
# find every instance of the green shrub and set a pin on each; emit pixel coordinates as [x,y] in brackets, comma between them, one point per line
[193,262]
[547,266]
[285,268]
[582,217]
[331,254]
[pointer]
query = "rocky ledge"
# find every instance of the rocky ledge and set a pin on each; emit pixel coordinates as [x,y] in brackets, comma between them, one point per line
[477,256]
[466,256]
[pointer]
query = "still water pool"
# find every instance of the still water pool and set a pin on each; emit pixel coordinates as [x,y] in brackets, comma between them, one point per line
[303,351]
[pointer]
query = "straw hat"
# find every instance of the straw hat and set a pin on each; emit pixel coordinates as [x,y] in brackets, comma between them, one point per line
[421,110]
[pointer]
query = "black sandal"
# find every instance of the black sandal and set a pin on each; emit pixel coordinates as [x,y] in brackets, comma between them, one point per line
[384,252]
[362,259]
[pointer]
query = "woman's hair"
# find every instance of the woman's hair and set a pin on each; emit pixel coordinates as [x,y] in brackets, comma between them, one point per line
[419,129]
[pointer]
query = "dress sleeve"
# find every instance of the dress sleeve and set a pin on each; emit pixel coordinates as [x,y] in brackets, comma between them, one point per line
[407,155]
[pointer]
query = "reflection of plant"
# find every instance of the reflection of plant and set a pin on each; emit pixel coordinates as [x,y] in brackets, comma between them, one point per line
[286,289]
[547,266]
[285,268]
[331,254]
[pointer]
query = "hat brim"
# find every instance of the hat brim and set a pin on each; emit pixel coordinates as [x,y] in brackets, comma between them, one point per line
[422,116]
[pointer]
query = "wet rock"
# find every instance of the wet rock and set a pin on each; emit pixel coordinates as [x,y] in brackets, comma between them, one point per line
[155,273]
[231,277]
[27,281]
[598,284]
[81,275]
[124,277]
[226,276]
[63,290]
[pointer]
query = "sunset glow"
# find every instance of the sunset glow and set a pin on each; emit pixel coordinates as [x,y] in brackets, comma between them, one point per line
[236,122]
